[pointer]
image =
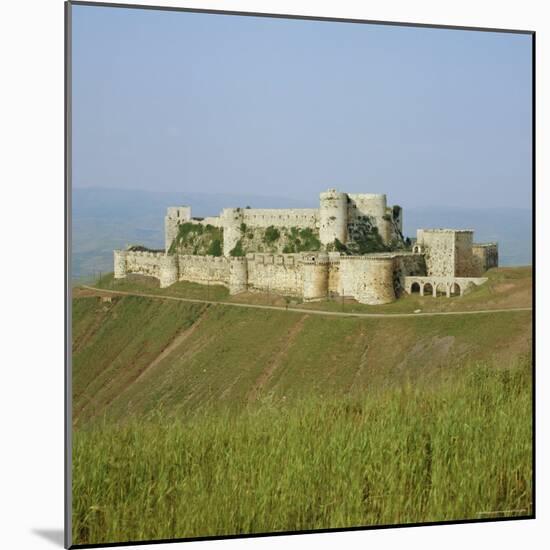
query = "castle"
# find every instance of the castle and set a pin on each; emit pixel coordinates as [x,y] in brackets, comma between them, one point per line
[352,246]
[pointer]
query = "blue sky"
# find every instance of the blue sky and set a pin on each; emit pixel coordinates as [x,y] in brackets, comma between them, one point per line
[173,101]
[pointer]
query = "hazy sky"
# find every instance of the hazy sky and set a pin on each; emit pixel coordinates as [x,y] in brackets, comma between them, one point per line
[226,104]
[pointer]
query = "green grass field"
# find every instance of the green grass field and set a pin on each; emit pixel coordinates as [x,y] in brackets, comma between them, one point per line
[462,450]
[196,419]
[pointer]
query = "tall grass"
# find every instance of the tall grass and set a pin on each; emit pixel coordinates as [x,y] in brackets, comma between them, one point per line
[458,451]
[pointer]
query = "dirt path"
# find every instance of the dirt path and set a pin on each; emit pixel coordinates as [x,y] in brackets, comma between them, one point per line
[303,310]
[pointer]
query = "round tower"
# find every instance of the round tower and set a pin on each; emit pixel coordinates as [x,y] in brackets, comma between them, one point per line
[315,276]
[168,270]
[120,263]
[232,220]
[238,275]
[375,284]
[333,217]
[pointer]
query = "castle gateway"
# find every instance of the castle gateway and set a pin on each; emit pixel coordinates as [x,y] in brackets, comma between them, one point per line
[352,245]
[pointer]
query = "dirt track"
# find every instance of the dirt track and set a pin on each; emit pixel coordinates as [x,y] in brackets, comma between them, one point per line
[298,309]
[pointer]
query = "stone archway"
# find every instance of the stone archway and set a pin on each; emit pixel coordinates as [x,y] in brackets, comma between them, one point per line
[441,289]
[415,288]
[456,289]
[428,289]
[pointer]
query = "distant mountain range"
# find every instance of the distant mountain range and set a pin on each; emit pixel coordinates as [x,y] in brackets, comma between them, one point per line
[105,219]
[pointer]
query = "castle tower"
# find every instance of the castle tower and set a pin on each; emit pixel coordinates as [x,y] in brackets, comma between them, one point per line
[238,275]
[375,280]
[174,216]
[168,270]
[120,263]
[448,251]
[333,217]
[315,271]
[232,220]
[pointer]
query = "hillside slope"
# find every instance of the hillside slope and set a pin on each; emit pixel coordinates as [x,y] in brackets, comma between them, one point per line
[135,355]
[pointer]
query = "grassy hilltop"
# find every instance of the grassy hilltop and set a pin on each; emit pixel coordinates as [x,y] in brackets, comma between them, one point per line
[207,419]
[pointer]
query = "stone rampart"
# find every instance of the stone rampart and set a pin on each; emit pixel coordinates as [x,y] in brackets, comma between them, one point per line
[368,278]
[142,263]
[315,269]
[280,273]
[290,217]
[203,269]
[168,270]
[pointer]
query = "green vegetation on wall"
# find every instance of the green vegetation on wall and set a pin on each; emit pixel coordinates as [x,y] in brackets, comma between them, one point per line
[301,240]
[271,235]
[195,238]
[276,240]
[237,249]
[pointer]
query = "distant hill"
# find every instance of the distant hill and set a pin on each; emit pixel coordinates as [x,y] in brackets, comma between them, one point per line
[105,219]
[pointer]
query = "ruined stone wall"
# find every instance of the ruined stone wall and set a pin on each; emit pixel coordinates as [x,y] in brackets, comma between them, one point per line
[464,262]
[439,248]
[203,269]
[281,273]
[143,263]
[484,257]
[119,257]
[215,221]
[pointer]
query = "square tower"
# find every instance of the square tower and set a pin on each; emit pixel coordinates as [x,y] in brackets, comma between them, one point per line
[448,252]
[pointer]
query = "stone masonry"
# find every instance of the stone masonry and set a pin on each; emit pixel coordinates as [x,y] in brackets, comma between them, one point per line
[444,257]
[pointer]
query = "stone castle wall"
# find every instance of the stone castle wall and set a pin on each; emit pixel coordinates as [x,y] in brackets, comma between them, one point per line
[203,269]
[369,278]
[278,273]
[174,216]
[291,217]
[439,248]
[463,254]
[142,263]
[312,276]
[336,212]
[484,257]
